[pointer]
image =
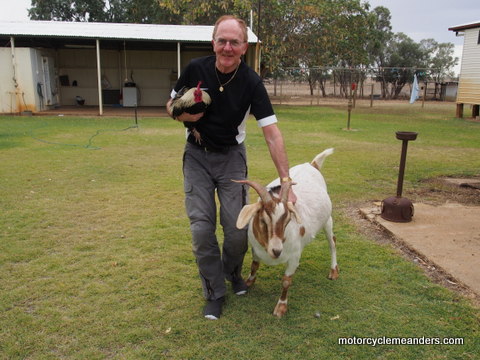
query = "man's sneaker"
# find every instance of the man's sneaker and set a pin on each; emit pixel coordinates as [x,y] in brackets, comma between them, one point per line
[239,287]
[213,309]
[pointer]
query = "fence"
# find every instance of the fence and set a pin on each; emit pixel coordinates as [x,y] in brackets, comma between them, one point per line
[315,85]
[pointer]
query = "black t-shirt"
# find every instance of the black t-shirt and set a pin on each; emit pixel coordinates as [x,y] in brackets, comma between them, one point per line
[224,121]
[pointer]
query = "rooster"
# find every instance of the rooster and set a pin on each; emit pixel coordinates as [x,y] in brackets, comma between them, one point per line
[189,100]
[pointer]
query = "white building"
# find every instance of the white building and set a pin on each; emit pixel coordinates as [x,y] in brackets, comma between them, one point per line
[469,80]
[47,64]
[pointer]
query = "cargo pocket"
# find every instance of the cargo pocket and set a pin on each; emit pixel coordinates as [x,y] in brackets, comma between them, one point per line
[188,190]
[187,187]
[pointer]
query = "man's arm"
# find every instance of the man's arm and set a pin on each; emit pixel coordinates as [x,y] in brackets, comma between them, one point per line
[276,146]
[184,116]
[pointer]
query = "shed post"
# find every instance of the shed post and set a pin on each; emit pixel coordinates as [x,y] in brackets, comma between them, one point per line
[15,80]
[257,58]
[99,80]
[178,60]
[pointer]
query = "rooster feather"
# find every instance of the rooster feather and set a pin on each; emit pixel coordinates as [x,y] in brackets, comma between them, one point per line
[190,100]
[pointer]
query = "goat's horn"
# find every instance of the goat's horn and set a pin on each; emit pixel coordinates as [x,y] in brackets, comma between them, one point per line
[261,190]
[285,188]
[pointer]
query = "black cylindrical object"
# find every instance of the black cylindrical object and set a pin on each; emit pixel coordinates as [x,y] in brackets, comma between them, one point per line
[397,208]
[405,137]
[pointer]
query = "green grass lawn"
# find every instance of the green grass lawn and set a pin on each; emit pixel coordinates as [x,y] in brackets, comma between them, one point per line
[96,261]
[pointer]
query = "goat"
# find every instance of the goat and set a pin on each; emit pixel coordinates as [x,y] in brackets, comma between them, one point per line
[274,237]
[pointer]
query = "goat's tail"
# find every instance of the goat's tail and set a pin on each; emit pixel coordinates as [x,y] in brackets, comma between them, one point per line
[317,162]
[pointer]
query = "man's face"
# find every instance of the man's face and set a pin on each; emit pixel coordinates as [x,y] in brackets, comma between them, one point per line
[229,45]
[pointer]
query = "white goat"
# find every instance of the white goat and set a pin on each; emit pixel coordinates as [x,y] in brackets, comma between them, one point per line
[274,238]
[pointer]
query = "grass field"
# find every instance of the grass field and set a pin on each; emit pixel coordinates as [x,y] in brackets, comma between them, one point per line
[95,254]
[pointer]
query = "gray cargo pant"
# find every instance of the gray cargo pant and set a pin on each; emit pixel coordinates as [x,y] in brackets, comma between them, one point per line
[205,173]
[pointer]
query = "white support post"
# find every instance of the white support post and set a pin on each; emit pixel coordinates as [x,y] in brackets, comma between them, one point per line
[99,80]
[178,60]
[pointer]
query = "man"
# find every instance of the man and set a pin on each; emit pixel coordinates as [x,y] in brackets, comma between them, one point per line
[215,154]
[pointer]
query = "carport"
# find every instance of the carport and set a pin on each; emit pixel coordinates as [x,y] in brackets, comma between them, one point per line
[50,64]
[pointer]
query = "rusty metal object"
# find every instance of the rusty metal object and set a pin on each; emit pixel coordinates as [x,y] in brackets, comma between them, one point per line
[398,208]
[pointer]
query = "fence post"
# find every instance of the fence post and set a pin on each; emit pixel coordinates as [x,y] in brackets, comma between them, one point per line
[424,94]
[371,96]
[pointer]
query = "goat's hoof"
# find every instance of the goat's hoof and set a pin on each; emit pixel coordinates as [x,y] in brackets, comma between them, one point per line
[280,310]
[250,281]
[334,273]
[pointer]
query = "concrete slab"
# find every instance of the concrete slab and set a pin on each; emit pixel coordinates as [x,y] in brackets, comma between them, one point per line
[448,235]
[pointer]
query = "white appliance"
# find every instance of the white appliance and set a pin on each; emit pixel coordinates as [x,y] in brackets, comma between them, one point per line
[130,97]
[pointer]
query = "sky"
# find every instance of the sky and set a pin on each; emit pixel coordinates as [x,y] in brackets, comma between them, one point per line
[419,19]
[430,19]
[425,19]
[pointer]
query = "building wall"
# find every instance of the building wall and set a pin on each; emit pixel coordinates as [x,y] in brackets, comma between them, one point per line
[450,92]
[469,82]
[8,99]
[24,82]
[154,73]
[149,70]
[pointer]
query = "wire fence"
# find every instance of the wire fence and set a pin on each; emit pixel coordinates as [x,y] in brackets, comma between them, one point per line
[318,84]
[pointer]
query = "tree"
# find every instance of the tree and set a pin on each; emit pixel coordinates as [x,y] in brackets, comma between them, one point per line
[315,35]
[401,57]
[276,24]
[353,24]
[443,61]
[380,36]
[120,11]
[325,33]
[85,10]
[201,12]
[440,61]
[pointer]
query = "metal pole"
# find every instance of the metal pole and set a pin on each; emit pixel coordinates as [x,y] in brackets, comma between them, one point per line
[371,96]
[397,208]
[99,80]
[178,60]
[349,107]
[401,172]
[424,94]
[349,111]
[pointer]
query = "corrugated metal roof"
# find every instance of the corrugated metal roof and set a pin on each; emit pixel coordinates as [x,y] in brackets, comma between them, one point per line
[461,27]
[123,31]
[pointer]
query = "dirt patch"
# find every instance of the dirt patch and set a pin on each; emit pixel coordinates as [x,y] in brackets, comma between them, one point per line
[442,236]
[465,190]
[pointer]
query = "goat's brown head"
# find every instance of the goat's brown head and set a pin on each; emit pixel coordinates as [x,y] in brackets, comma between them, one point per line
[271,215]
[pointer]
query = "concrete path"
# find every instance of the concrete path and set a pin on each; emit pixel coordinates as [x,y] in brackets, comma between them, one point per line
[448,235]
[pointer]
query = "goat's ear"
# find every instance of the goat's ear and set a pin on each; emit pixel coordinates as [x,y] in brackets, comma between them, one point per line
[293,210]
[247,213]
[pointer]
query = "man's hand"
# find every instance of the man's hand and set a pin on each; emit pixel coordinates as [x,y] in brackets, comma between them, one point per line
[186,117]
[291,196]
